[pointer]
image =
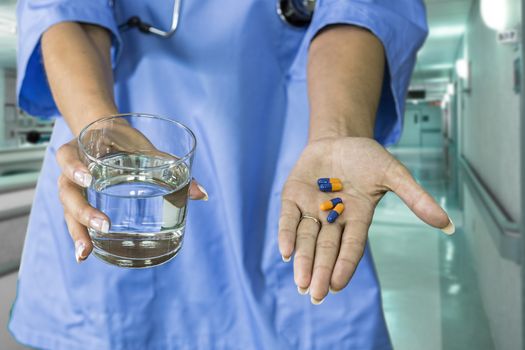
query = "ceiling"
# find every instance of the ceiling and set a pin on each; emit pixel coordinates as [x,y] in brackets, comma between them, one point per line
[447,21]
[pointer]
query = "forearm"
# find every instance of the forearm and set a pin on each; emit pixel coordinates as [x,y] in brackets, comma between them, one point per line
[78,68]
[345,76]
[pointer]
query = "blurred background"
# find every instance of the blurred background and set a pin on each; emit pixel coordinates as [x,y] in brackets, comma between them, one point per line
[463,139]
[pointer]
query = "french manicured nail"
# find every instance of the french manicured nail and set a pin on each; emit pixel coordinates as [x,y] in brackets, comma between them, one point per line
[302,291]
[82,178]
[99,225]
[79,251]
[205,198]
[450,228]
[333,291]
[316,301]
[286,259]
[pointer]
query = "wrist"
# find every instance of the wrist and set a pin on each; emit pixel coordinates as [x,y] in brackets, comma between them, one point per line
[324,128]
[79,120]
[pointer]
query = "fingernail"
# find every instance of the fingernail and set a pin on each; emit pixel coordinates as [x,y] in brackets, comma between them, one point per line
[82,178]
[303,291]
[99,225]
[450,228]
[316,301]
[286,259]
[79,251]
[203,191]
[333,291]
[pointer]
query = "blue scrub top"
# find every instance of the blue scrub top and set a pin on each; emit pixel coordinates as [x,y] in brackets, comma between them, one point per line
[235,74]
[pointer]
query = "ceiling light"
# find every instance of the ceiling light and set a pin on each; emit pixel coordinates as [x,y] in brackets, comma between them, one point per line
[463,68]
[495,13]
[446,31]
[437,66]
[451,89]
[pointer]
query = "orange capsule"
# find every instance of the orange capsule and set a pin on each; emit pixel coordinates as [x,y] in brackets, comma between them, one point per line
[339,208]
[330,204]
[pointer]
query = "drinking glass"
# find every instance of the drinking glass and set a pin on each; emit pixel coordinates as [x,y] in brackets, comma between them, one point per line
[141,168]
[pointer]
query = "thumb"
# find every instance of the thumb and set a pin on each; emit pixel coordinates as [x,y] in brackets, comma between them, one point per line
[400,181]
[197,192]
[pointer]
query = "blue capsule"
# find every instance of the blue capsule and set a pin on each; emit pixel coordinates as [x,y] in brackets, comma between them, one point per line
[334,214]
[331,187]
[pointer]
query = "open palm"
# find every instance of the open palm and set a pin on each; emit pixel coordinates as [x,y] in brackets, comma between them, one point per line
[326,255]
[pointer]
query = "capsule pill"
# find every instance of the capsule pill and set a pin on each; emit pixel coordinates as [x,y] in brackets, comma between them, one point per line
[330,204]
[331,187]
[328,180]
[334,214]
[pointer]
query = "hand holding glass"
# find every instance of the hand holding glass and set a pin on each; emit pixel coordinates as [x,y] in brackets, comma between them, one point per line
[141,169]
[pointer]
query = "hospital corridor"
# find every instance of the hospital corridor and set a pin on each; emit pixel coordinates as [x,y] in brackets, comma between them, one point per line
[180,164]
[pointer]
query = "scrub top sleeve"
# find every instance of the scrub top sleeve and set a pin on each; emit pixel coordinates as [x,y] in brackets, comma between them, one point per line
[34,17]
[401,27]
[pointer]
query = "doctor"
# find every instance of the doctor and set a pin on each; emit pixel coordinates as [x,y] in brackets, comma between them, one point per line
[274,107]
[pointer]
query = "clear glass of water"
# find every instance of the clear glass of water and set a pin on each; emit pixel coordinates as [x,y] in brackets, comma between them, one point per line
[141,168]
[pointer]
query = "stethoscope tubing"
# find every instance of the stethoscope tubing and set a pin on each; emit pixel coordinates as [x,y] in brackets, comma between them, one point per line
[297,13]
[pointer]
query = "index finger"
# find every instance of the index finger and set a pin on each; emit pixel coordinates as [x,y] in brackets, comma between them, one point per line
[71,165]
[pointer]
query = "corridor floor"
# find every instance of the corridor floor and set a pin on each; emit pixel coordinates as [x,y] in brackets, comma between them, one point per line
[429,286]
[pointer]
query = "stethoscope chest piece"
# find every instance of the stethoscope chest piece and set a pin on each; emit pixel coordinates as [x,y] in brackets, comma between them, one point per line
[297,13]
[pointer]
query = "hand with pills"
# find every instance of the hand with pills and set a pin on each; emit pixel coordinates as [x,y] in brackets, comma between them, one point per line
[328,203]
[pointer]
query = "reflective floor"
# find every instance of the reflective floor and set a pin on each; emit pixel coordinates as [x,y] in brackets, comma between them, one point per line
[7,295]
[429,286]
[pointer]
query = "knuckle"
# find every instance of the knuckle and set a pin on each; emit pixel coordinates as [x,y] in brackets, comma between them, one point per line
[350,261]
[350,241]
[323,268]
[307,232]
[82,213]
[418,200]
[61,196]
[301,257]
[62,150]
[326,244]
[286,233]
[306,238]
[60,181]
[286,220]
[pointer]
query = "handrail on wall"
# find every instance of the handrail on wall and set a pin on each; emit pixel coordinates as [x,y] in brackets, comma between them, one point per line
[9,183]
[504,231]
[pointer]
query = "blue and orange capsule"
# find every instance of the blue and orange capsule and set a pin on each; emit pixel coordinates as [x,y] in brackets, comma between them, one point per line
[331,187]
[328,205]
[328,180]
[330,184]
[334,213]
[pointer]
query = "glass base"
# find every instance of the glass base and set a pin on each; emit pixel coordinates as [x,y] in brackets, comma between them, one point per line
[133,263]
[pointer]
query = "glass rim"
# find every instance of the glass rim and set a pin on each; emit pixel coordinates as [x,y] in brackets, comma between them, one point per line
[143,115]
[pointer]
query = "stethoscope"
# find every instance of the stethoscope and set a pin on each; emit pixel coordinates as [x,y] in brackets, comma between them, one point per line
[297,13]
